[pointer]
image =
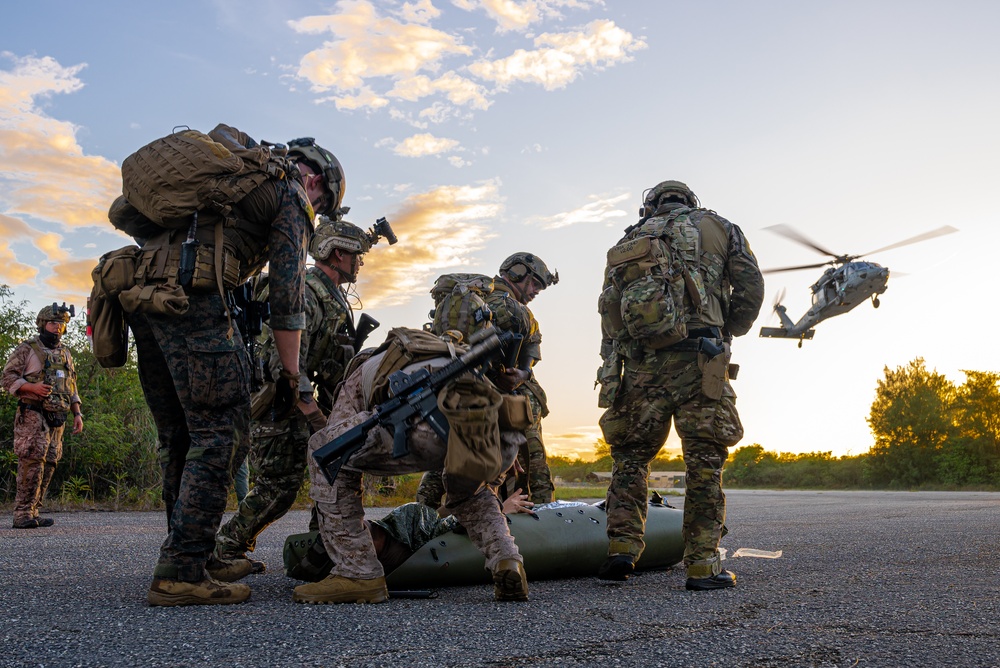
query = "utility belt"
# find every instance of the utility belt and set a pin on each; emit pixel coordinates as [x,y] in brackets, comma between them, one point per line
[52,418]
[703,339]
[162,264]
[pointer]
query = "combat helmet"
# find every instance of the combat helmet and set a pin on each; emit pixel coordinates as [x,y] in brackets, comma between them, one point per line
[332,234]
[324,163]
[651,198]
[54,313]
[519,265]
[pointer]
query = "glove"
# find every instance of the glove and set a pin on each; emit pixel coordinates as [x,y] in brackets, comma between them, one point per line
[316,421]
[286,394]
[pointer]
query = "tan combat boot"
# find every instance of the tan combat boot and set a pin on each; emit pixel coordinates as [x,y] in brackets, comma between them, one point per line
[207,592]
[338,589]
[228,570]
[510,583]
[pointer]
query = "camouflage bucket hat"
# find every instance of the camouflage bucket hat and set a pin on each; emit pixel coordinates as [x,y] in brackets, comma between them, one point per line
[327,164]
[532,264]
[665,188]
[333,234]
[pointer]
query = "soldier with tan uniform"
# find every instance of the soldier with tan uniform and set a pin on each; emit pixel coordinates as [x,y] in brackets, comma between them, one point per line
[40,374]
[280,442]
[678,286]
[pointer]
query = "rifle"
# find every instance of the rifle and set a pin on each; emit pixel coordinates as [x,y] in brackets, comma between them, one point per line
[249,316]
[413,394]
[366,325]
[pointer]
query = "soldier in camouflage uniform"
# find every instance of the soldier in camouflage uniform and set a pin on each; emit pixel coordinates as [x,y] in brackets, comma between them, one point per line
[357,575]
[279,443]
[521,277]
[657,385]
[40,374]
[195,372]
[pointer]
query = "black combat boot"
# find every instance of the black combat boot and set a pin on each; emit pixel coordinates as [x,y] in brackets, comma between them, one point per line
[617,567]
[723,580]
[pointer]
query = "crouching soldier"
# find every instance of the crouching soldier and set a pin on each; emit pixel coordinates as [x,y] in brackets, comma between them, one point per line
[483,438]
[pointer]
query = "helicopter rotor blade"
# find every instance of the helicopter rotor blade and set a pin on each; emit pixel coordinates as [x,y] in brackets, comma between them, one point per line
[791,233]
[778,298]
[941,231]
[796,268]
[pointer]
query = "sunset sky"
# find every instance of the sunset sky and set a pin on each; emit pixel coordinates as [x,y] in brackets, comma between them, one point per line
[484,127]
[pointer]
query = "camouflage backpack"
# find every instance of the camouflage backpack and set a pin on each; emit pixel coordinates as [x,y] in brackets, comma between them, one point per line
[653,284]
[460,303]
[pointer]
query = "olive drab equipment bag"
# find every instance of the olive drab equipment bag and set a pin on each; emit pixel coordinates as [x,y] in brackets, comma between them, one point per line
[653,284]
[172,177]
[460,303]
[114,274]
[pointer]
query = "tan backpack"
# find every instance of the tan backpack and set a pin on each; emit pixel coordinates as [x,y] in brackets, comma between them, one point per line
[172,177]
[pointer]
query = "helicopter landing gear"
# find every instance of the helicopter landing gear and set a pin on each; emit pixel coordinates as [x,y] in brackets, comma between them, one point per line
[875,302]
[800,343]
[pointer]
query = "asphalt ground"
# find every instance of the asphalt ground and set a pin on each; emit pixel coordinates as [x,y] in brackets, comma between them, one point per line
[865,579]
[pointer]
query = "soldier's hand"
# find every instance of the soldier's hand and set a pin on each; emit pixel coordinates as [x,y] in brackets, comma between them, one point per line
[286,394]
[36,391]
[517,503]
[77,423]
[314,416]
[511,379]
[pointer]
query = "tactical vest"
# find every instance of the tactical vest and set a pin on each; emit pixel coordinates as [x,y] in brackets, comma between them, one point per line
[329,356]
[57,370]
[653,283]
[460,303]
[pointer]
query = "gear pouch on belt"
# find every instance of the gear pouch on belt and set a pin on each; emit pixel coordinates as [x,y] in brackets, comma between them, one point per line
[157,298]
[54,418]
[515,412]
[713,374]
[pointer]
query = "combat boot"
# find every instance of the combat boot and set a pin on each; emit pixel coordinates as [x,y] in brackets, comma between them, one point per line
[33,523]
[207,592]
[617,567]
[338,589]
[723,580]
[228,570]
[510,582]
[223,555]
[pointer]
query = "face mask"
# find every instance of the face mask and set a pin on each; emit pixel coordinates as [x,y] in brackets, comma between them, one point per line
[49,339]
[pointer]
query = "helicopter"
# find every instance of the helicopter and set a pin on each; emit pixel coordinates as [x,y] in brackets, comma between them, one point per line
[846,283]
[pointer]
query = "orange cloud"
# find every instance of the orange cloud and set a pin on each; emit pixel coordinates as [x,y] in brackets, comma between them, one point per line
[71,279]
[438,230]
[13,272]
[43,170]
[560,57]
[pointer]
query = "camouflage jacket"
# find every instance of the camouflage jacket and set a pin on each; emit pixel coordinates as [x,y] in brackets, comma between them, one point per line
[57,370]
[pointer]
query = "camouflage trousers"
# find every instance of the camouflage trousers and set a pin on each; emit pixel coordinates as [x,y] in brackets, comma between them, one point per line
[38,448]
[278,457]
[347,539]
[536,480]
[197,384]
[662,387]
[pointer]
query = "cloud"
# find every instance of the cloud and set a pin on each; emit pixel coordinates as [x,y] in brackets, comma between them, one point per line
[43,170]
[580,442]
[559,58]
[598,210]
[367,45]
[13,272]
[458,90]
[418,146]
[438,230]
[71,279]
[512,15]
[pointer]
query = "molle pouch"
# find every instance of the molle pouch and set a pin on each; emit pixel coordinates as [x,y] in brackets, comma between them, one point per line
[115,272]
[609,377]
[647,307]
[471,408]
[203,278]
[515,412]
[158,298]
[609,305]
[713,374]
